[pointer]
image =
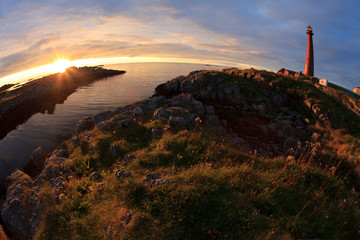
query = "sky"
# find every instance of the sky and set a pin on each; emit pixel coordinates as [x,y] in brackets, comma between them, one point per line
[264,34]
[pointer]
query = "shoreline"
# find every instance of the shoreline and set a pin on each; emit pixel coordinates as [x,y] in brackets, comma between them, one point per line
[251,111]
[42,95]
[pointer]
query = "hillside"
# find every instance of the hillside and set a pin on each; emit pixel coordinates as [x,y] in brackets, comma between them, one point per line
[232,154]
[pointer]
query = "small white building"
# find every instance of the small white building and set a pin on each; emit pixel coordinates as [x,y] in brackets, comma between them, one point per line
[357,90]
[323,82]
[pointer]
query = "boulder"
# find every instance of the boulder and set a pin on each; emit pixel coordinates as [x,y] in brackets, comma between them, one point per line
[159,182]
[121,174]
[95,176]
[84,124]
[116,122]
[198,107]
[60,153]
[151,177]
[36,163]
[169,88]
[161,114]
[103,126]
[290,142]
[14,211]
[177,123]
[278,101]
[75,140]
[138,111]
[261,77]
[155,133]
[115,150]
[127,123]
[210,110]
[128,159]
[103,116]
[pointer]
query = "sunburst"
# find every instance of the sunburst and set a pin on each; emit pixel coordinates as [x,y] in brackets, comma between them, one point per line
[60,65]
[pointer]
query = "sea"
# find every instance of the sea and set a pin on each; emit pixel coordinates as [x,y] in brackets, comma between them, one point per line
[41,129]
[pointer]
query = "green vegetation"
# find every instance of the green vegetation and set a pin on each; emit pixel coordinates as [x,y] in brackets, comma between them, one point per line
[211,190]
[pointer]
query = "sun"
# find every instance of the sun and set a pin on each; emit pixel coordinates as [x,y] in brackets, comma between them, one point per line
[60,65]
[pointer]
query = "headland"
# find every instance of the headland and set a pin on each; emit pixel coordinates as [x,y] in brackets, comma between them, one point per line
[17,104]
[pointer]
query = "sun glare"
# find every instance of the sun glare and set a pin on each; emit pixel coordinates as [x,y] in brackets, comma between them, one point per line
[60,65]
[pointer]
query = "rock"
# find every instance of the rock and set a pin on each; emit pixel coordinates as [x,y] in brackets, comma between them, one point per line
[58,185]
[103,126]
[155,133]
[176,111]
[128,123]
[95,176]
[55,167]
[116,122]
[176,123]
[169,88]
[186,86]
[241,143]
[151,177]
[84,124]
[36,163]
[157,99]
[161,114]
[176,103]
[198,107]
[290,142]
[115,150]
[278,101]
[261,77]
[60,153]
[100,117]
[138,111]
[159,182]
[128,159]
[75,140]
[121,174]
[16,205]
[126,218]
[210,110]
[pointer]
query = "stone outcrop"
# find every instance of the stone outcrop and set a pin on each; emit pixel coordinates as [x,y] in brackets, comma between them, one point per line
[15,211]
[36,163]
[21,211]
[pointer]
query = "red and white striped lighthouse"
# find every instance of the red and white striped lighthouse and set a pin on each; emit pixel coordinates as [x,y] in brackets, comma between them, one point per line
[309,63]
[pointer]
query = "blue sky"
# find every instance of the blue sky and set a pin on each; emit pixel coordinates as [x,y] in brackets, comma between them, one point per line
[267,34]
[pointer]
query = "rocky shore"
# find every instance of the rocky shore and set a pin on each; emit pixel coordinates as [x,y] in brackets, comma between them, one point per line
[257,112]
[41,95]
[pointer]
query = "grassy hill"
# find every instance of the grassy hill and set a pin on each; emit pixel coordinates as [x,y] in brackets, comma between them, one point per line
[232,154]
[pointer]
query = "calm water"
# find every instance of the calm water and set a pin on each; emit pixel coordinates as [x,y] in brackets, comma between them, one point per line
[136,84]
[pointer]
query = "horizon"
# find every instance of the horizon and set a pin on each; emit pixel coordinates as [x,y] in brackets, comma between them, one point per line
[262,34]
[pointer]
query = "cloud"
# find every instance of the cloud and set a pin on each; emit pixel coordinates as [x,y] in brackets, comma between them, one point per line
[265,33]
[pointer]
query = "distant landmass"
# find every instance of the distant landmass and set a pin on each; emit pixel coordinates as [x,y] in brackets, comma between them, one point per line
[41,95]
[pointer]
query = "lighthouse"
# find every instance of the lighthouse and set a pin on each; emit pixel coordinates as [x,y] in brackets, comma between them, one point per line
[309,63]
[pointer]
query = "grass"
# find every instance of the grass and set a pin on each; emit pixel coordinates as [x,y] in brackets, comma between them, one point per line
[212,189]
[213,193]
